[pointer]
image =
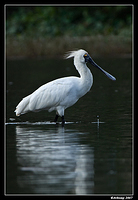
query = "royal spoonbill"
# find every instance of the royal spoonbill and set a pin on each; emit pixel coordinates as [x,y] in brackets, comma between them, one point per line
[63,92]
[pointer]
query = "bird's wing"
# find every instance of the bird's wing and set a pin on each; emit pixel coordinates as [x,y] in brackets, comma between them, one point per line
[52,94]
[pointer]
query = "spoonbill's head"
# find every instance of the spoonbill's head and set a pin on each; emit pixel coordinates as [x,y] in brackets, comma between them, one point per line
[79,55]
[82,56]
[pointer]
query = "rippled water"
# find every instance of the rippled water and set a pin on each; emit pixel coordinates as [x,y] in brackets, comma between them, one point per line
[90,155]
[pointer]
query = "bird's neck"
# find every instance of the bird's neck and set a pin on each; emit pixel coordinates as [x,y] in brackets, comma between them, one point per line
[86,78]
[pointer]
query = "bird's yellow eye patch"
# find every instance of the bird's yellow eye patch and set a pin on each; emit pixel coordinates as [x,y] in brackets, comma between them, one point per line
[85,54]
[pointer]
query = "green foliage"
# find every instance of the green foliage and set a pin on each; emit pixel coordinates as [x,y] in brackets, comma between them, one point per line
[41,21]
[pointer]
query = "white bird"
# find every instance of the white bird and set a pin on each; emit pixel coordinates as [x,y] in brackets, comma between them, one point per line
[63,92]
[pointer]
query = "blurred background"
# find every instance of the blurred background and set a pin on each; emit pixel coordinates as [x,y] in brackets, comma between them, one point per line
[50,31]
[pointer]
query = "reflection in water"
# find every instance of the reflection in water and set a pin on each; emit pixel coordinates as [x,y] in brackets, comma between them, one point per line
[54,161]
[45,159]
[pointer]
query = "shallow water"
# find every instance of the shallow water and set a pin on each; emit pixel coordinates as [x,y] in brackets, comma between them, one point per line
[90,155]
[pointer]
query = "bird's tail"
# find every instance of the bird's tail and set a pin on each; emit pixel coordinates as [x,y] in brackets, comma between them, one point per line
[23,106]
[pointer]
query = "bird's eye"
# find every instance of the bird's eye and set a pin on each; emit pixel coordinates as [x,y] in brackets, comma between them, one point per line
[85,54]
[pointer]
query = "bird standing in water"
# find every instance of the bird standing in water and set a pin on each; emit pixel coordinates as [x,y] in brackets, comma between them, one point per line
[63,92]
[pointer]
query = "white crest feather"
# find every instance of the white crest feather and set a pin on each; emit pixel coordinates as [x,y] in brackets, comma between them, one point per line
[70,54]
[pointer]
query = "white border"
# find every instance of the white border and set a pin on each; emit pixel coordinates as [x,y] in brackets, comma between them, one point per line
[110,195]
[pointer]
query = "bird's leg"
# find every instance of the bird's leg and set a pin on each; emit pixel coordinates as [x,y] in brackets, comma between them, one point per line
[56,118]
[63,121]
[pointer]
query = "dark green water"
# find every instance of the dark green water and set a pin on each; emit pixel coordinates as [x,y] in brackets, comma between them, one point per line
[83,157]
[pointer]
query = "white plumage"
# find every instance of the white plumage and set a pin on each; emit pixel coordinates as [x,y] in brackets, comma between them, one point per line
[64,92]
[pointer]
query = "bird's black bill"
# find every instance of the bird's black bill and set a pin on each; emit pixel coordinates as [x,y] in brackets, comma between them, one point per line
[106,73]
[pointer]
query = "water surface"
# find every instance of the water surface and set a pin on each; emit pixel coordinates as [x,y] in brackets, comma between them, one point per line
[83,157]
